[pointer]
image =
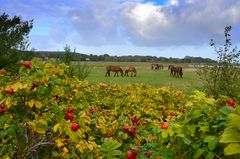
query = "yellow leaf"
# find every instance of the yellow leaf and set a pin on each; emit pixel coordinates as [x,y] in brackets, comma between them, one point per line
[6,157]
[38,104]
[31,103]
[8,103]
[55,128]
[6,126]
[60,142]
[19,85]
[40,130]
[90,147]
[32,125]
[65,151]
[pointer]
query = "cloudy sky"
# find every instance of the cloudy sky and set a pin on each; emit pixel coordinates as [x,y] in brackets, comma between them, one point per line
[168,28]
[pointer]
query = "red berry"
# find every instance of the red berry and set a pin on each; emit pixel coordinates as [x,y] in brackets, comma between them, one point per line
[172,114]
[69,116]
[91,110]
[164,125]
[108,135]
[27,64]
[74,127]
[10,91]
[3,72]
[15,78]
[163,113]
[126,128]
[2,110]
[133,131]
[231,102]
[131,155]
[149,153]
[70,110]
[138,122]
[87,115]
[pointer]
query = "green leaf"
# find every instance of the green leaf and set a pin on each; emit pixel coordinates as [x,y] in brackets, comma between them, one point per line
[197,114]
[164,134]
[232,149]
[212,142]
[234,121]
[3,120]
[41,90]
[204,128]
[187,141]
[198,153]
[226,110]
[116,153]
[210,155]
[110,145]
[229,136]
[192,128]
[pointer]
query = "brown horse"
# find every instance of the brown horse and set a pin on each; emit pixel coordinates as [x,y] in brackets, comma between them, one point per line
[175,71]
[132,69]
[115,69]
[157,67]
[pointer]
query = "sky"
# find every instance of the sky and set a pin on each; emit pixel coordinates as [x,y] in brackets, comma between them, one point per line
[162,28]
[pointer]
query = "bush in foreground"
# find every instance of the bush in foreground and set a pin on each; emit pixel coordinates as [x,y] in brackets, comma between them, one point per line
[51,115]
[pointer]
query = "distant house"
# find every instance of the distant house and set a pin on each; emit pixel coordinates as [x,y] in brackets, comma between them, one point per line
[87,59]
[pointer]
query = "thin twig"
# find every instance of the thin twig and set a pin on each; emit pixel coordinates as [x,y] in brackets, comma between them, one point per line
[36,146]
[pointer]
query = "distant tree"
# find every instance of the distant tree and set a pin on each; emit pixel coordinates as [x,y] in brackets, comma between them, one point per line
[222,78]
[13,37]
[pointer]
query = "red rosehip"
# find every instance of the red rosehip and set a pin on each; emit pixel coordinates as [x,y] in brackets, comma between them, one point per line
[108,135]
[126,129]
[91,110]
[231,102]
[87,115]
[10,91]
[15,77]
[3,72]
[27,64]
[133,131]
[149,153]
[70,109]
[69,116]
[2,110]
[131,155]
[74,127]
[164,125]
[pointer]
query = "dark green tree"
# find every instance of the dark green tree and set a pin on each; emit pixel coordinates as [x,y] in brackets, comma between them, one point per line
[13,38]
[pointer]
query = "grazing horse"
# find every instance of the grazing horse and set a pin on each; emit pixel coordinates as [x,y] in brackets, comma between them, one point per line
[132,69]
[115,69]
[157,67]
[176,71]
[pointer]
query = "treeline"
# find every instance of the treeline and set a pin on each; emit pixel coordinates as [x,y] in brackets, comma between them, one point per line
[130,58]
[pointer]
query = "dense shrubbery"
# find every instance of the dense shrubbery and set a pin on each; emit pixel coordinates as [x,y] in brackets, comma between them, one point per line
[45,113]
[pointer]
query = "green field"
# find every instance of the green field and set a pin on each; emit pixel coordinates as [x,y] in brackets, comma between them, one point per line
[155,78]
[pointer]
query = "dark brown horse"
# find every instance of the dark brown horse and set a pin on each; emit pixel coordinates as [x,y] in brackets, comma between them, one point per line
[175,71]
[157,67]
[132,69]
[115,69]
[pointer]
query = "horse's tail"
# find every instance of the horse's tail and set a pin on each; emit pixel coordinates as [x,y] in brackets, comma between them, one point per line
[121,71]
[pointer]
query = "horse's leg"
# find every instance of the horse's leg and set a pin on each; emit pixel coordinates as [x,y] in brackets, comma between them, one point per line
[126,72]
[107,73]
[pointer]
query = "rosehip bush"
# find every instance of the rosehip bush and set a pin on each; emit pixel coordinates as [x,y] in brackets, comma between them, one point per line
[52,115]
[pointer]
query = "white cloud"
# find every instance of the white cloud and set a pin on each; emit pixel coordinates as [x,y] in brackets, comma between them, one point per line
[130,22]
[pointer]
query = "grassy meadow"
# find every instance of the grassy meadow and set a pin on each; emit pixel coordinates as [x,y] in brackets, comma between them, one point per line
[155,78]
